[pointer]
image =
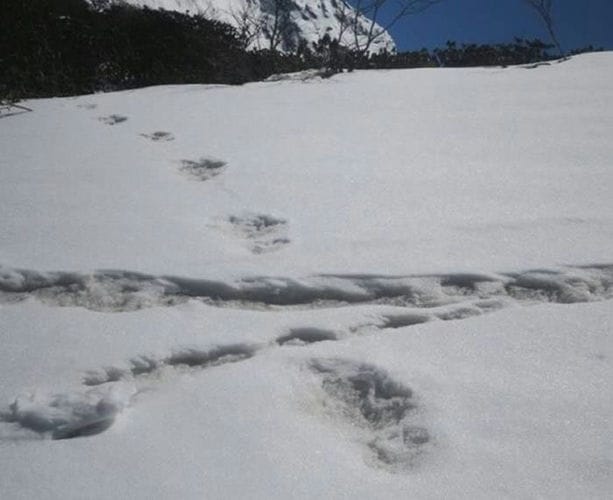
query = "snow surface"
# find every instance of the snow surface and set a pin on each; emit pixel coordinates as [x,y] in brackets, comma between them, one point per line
[387,284]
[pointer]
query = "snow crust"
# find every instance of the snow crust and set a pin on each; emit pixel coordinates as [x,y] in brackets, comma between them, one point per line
[391,284]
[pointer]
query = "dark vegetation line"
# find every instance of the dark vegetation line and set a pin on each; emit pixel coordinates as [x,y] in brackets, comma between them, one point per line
[66,47]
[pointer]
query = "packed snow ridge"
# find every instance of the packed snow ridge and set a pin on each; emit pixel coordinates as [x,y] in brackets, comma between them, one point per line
[125,291]
[309,20]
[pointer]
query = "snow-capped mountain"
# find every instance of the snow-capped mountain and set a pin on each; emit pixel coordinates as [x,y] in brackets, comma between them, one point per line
[307,20]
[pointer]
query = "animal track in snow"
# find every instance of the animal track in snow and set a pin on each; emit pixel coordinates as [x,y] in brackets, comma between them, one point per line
[79,414]
[87,105]
[113,119]
[442,297]
[203,169]
[159,136]
[459,313]
[386,410]
[265,233]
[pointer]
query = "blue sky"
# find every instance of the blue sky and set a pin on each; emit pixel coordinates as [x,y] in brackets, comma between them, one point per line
[578,22]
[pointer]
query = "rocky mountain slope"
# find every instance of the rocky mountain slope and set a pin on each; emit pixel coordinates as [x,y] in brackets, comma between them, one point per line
[286,22]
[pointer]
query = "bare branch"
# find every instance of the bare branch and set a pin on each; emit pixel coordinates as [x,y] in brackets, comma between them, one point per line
[544,10]
[281,26]
[248,22]
[363,39]
[342,15]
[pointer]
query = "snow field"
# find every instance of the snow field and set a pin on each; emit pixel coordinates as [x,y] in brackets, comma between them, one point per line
[385,284]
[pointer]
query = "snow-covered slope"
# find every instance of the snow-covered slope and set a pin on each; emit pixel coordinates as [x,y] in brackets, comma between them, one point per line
[309,20]
[387,284]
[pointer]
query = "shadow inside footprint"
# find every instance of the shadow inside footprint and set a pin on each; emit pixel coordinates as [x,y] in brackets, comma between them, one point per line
[203,169]
[459,313]
[84,429]
[402,320]
[113,119]
[68,415]
[255,224]
[269,245]
[213,357]
[265,232]
[159,136]
[303,336]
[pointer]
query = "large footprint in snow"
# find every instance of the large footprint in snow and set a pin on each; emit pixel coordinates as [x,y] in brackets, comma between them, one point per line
[264,233]
[69,415]
[203,169]
[159,136]
[385,411]
[113,119]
